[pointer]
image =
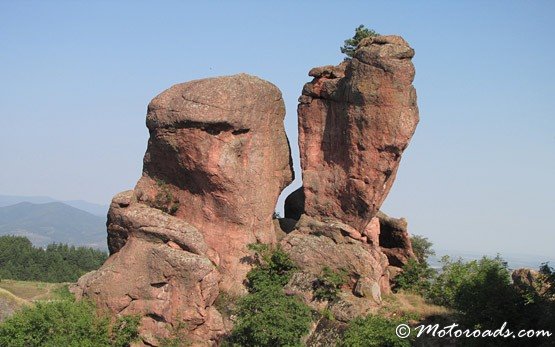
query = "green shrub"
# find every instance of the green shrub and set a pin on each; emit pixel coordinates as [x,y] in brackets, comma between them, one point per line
[164,199]
[66,323]
[446,286]
[350,45]
[267,316]
[422,248]
[274,268]
[373,331]
[486,298]
[328,284]
[416,277]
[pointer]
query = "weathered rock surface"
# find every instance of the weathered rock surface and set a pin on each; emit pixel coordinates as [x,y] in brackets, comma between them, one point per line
[159,270]
[355,121]
[218,157]
[216,162]
[394,239]
[316,244]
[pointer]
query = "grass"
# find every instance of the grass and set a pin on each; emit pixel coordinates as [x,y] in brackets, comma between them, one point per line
[413,306]
[9,303]
[32,291]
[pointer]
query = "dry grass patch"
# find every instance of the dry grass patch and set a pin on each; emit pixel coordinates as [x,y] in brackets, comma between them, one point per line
[413,306]
[31,291]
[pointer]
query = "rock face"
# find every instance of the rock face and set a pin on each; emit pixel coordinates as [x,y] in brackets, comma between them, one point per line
[394,239]
[355,121]
[218,157]
[158,269]
[216,162]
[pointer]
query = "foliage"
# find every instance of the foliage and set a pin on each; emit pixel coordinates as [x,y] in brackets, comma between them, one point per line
[20,260]
[267,316]
[547,278]
[328,284]
[350,45]
[373,331]
[416,277]
[178,337]
[486,297]
[274,268]
[66,323]
[164,200]
[422,248]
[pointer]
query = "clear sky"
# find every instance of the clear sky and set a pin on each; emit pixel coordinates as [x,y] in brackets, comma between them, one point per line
[76,77]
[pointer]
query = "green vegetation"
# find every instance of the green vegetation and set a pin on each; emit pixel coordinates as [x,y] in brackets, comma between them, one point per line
[267,316]
[66,323]
[20,260]
[480,290]
[33,291]
[350,45]
[422,248]
[373,331]
[164,200]
[328,284]
[273,270]
[417,275]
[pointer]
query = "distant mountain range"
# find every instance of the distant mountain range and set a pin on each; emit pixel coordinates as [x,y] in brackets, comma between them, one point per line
[96,209]
[45,223]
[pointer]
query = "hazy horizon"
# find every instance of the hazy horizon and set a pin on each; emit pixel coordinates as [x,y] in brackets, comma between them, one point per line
[477,176]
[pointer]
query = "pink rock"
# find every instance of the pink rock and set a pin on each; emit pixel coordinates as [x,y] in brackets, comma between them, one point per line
[219,152]
[160,272]
[355,121]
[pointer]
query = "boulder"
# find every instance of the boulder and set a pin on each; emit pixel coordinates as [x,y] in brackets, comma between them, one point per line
[217,160]
[218,157]
[314,245]
[159,270]
[355,121]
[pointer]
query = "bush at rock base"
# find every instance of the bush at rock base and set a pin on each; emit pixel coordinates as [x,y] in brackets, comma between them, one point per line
[373,331]
[329,283]
[66,323]
[267,316]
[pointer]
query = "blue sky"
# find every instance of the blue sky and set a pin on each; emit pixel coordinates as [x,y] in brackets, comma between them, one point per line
[478,175]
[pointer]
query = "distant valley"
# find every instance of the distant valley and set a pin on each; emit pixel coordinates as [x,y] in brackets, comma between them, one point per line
[46,221]
[92,208]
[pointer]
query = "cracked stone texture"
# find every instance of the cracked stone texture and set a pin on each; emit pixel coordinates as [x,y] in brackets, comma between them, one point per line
[355,121]
[316,244]
[218,147]
[159,270]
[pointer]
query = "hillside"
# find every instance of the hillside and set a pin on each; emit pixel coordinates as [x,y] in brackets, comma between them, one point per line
[96,209]
[53,222]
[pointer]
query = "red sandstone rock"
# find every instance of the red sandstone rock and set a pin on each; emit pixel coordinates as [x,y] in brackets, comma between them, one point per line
[219,152]
[355,120]
[317,244]
[216,162]
[394,239]
[158,270]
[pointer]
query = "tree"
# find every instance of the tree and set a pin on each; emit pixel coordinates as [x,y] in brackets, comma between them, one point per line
[422,248]
[351,44]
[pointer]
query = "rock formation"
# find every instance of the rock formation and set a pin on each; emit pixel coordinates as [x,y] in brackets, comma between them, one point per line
[219,157]
[355,120]
[216,162]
